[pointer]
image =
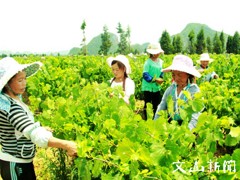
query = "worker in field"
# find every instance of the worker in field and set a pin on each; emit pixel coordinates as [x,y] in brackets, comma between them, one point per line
[19,133]
[183,73]
[204,69]
[121,69]
[152,78]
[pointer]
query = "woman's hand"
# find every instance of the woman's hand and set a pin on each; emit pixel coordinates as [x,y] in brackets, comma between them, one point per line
[71,148]
[215,76]
[159,80]
[111,94]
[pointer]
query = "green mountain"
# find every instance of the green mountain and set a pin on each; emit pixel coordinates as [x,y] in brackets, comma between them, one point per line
[196,27]
[141,48]
[74,51]
[94,45]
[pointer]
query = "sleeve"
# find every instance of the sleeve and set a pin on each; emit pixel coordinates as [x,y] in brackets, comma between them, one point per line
[163,104]
[210,76]
[193,122]
[37,134]
[22,123]
[147,77]
[18,118]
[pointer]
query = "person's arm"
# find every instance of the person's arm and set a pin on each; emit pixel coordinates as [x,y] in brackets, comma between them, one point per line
[44,138]
[38,135]
[208,77]
[147,77]
[214,75]
[69,146]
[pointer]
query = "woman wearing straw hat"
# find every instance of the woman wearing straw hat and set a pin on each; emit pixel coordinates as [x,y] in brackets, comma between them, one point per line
[204,62]
[19,134]
[183,73]
[152,77]
[121,70]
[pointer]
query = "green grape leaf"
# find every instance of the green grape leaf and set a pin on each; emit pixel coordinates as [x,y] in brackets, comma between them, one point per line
[235,131]
[97,168]
[197,105]
[230,141]
[170,105]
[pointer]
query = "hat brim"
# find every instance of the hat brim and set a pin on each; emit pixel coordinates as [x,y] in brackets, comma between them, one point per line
[153,51]
[32,68]
[209,60]
[109,61]
[185,69]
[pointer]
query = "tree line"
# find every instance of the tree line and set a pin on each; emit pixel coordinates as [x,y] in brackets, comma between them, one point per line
[196,44]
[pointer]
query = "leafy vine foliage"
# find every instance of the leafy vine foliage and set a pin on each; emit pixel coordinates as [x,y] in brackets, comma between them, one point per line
[72,96]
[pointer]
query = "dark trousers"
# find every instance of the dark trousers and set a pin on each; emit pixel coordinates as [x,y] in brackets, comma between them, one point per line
[19,171]
[151,97]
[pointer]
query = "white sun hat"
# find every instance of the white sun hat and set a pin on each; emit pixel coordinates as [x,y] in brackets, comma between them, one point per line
[183,63]
[121,58]
[204,57]
[9,67]
[154,48]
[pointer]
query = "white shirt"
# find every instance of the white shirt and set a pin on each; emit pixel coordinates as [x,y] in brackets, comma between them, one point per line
[129,88]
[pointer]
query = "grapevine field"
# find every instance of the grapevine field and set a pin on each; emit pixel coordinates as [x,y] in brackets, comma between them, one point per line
[71,95]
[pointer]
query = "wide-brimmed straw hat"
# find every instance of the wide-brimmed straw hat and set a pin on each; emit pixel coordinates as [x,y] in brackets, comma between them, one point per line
[9,67]
[154,48]
[183,63]
[204,57]
[121,58]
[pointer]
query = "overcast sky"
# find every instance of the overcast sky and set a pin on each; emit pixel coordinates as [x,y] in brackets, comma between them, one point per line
[54,25]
